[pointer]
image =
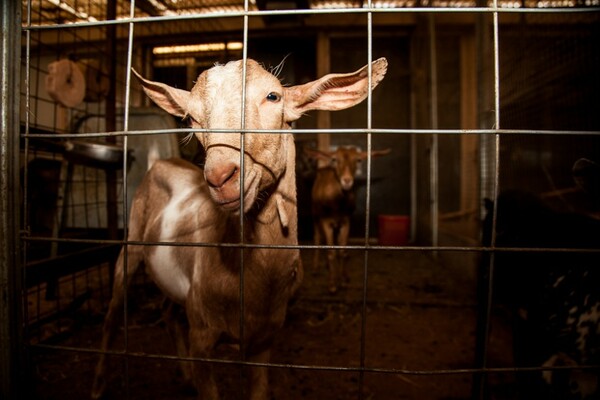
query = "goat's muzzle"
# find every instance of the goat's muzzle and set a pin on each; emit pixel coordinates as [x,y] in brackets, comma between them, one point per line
[224,186]
[346,182]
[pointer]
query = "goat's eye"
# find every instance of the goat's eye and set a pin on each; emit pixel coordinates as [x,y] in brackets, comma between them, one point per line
[189,119]
[273,97]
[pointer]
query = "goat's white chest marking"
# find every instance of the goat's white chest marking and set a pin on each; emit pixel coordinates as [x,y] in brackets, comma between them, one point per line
[165,266]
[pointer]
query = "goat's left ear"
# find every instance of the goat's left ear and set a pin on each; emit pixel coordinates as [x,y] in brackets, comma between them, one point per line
[332,92]
[374,153]
[172,100]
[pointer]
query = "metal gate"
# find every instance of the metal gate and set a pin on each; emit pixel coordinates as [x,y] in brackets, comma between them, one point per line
[527,76]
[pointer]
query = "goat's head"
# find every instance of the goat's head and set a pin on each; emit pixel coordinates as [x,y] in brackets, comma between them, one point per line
[586,174]
[215,103]
[344,160]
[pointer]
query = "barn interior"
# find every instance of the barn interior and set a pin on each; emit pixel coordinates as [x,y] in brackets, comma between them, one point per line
[480,98]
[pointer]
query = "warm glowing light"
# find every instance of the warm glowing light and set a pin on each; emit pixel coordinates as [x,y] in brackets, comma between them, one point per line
[235,46]
[77,13]
[197,48]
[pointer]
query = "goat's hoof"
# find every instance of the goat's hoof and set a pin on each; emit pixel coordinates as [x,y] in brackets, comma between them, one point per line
[98,388]
[189,389]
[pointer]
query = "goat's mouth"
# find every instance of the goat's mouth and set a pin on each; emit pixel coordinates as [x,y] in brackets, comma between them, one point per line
[347,185]
[232,203]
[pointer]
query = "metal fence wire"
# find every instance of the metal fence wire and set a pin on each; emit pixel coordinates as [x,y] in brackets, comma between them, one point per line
[483,100]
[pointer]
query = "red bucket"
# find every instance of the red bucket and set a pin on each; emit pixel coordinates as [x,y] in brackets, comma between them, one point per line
[394,230]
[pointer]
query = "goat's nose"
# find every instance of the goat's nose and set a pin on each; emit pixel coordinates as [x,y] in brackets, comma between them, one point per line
[347,182]
[219,175]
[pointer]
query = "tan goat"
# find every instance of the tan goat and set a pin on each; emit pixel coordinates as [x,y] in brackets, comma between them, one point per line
[177,202]
[333,203]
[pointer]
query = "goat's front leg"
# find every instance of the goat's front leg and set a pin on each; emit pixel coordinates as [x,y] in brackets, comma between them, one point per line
[115,310]
[176,322]
[343,253]
[317,242]
[202,342]
[332,261]
[259,376]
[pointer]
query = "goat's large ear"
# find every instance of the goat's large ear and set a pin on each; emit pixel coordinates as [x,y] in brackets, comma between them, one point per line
[172,100]
[374,153]
[318,154]
[586,174]
[333,91]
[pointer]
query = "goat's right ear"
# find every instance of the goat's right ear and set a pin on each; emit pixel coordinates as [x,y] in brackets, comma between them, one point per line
[172,100]
[318,154]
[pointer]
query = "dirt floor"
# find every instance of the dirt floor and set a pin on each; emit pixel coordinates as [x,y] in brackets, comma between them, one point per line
[420,316]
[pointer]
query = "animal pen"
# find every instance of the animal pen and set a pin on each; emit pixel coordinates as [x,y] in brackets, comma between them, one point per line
[480,98]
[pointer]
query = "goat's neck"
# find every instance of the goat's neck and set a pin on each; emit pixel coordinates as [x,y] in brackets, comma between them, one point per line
[276,220]
[275,223]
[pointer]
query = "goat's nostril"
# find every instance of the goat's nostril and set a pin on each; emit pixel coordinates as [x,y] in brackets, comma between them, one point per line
[347,183]
[221,174]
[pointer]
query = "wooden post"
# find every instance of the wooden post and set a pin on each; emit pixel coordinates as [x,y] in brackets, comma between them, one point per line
[323,67]
[111,119]
[469,146]
[13,367]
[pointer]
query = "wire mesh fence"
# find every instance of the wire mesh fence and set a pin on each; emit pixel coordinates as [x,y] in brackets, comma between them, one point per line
[482,98]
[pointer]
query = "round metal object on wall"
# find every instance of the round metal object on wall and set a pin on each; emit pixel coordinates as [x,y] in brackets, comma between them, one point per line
[65,83]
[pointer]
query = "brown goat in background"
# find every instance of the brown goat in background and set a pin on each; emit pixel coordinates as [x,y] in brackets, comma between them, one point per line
[333,203]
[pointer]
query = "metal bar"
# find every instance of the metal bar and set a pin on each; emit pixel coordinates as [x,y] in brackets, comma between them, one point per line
[40,271]
[487,172]
[12,365]
[434,154]
[308,247]
[399,371]
[363,332]
[242,175]
[124,197]
[496,183]
[365,10]
[318,131]
[125,167]
[487,278]
[369,131]
[25,188]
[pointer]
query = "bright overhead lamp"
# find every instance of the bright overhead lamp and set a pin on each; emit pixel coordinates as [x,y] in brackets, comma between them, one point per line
[197,48]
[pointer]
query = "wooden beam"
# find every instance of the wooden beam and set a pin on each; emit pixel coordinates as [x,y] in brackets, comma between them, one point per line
[469,162]
[323,68]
